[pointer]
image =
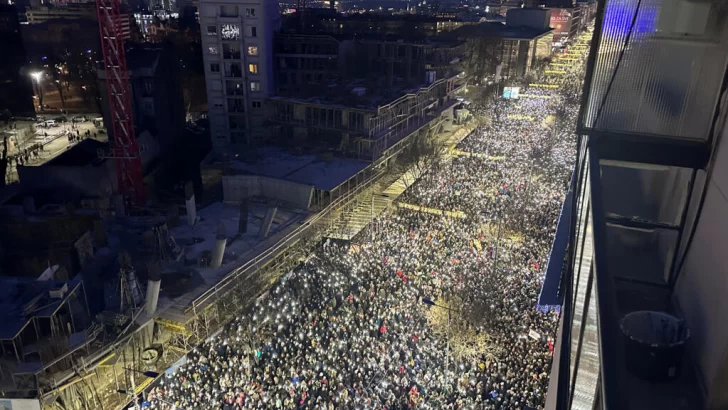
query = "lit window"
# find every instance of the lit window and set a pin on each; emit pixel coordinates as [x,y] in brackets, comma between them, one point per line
[212,50]
[255,86]
[215,68]
[230,31]
[252,50]
[249,12]
[253,68]
[211,30]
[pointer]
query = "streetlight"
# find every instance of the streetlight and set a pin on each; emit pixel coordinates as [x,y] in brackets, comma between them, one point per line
[37,75]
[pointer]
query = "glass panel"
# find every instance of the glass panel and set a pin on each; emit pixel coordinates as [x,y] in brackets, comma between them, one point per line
[641,254]
[234,88]
[236,105]
[644,192]
[233,70]
[237,122]
[231,51]
[228,11]
[587,373]
[658,68]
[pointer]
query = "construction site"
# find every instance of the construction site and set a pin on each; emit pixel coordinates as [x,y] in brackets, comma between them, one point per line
[152,285]
[125,287]
[106,288]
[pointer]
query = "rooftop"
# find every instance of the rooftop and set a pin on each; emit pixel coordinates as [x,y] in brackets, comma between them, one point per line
[356,94]
[184,281]
[499,30]
[21,299]
[321,171]
[82,154]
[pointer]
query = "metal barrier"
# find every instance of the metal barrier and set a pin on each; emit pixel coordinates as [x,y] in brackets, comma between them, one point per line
[262,258]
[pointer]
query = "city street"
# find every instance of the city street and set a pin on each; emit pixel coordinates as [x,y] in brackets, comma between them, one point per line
[48,143]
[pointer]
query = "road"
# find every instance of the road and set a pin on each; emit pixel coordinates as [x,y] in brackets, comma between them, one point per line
[54,141]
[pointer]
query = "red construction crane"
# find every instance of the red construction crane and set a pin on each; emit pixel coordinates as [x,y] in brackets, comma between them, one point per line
[125,150]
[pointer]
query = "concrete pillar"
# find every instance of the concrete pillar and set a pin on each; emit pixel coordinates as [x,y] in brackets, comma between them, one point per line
[190,204]
[243,217]
[267,222]
[118,201]
[220,243]
[153,284]
[29,205]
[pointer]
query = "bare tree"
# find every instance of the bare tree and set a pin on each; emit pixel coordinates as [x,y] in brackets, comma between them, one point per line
[418,157]
[467,341]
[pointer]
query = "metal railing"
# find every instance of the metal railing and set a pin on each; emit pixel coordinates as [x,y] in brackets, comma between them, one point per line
[317,221]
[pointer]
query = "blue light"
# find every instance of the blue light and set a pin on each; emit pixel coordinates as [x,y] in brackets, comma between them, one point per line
[88,51]
[44,58]
[619,14]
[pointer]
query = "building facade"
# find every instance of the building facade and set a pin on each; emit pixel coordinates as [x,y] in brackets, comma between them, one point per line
[362,123]
[157,95]
[648,225]
[237,48]
[16,89]
[37,15]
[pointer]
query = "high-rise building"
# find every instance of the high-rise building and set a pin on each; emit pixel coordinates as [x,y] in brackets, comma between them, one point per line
[644,284]
[16,92]
[237,49]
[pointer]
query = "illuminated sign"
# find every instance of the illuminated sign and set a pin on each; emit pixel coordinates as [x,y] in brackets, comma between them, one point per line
[511,93]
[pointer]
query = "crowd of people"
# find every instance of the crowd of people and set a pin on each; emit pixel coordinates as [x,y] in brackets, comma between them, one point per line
[350,328]
[27,154]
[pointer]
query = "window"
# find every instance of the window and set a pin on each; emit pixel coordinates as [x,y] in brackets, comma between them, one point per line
[252,50]
[256,104]
[217,105]
[212,50]
[215,68]
[230,31]
[236,122]
[233,70]
[253,68]
[211,30]
[228,11]
[234,88]
[249,12]
[253,32]
[236,105]
[255,86]
[231,51]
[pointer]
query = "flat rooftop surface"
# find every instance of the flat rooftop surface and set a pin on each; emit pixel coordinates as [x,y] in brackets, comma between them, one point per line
[325,173]
[184,281]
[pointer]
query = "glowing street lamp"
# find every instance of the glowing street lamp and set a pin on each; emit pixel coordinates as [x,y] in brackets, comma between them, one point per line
[36,76]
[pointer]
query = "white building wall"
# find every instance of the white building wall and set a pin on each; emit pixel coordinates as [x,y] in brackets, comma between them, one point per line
[248,25]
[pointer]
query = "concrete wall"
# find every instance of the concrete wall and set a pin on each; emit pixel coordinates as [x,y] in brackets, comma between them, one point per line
[236,187]
[702,288]
[529,17]
[88,181]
